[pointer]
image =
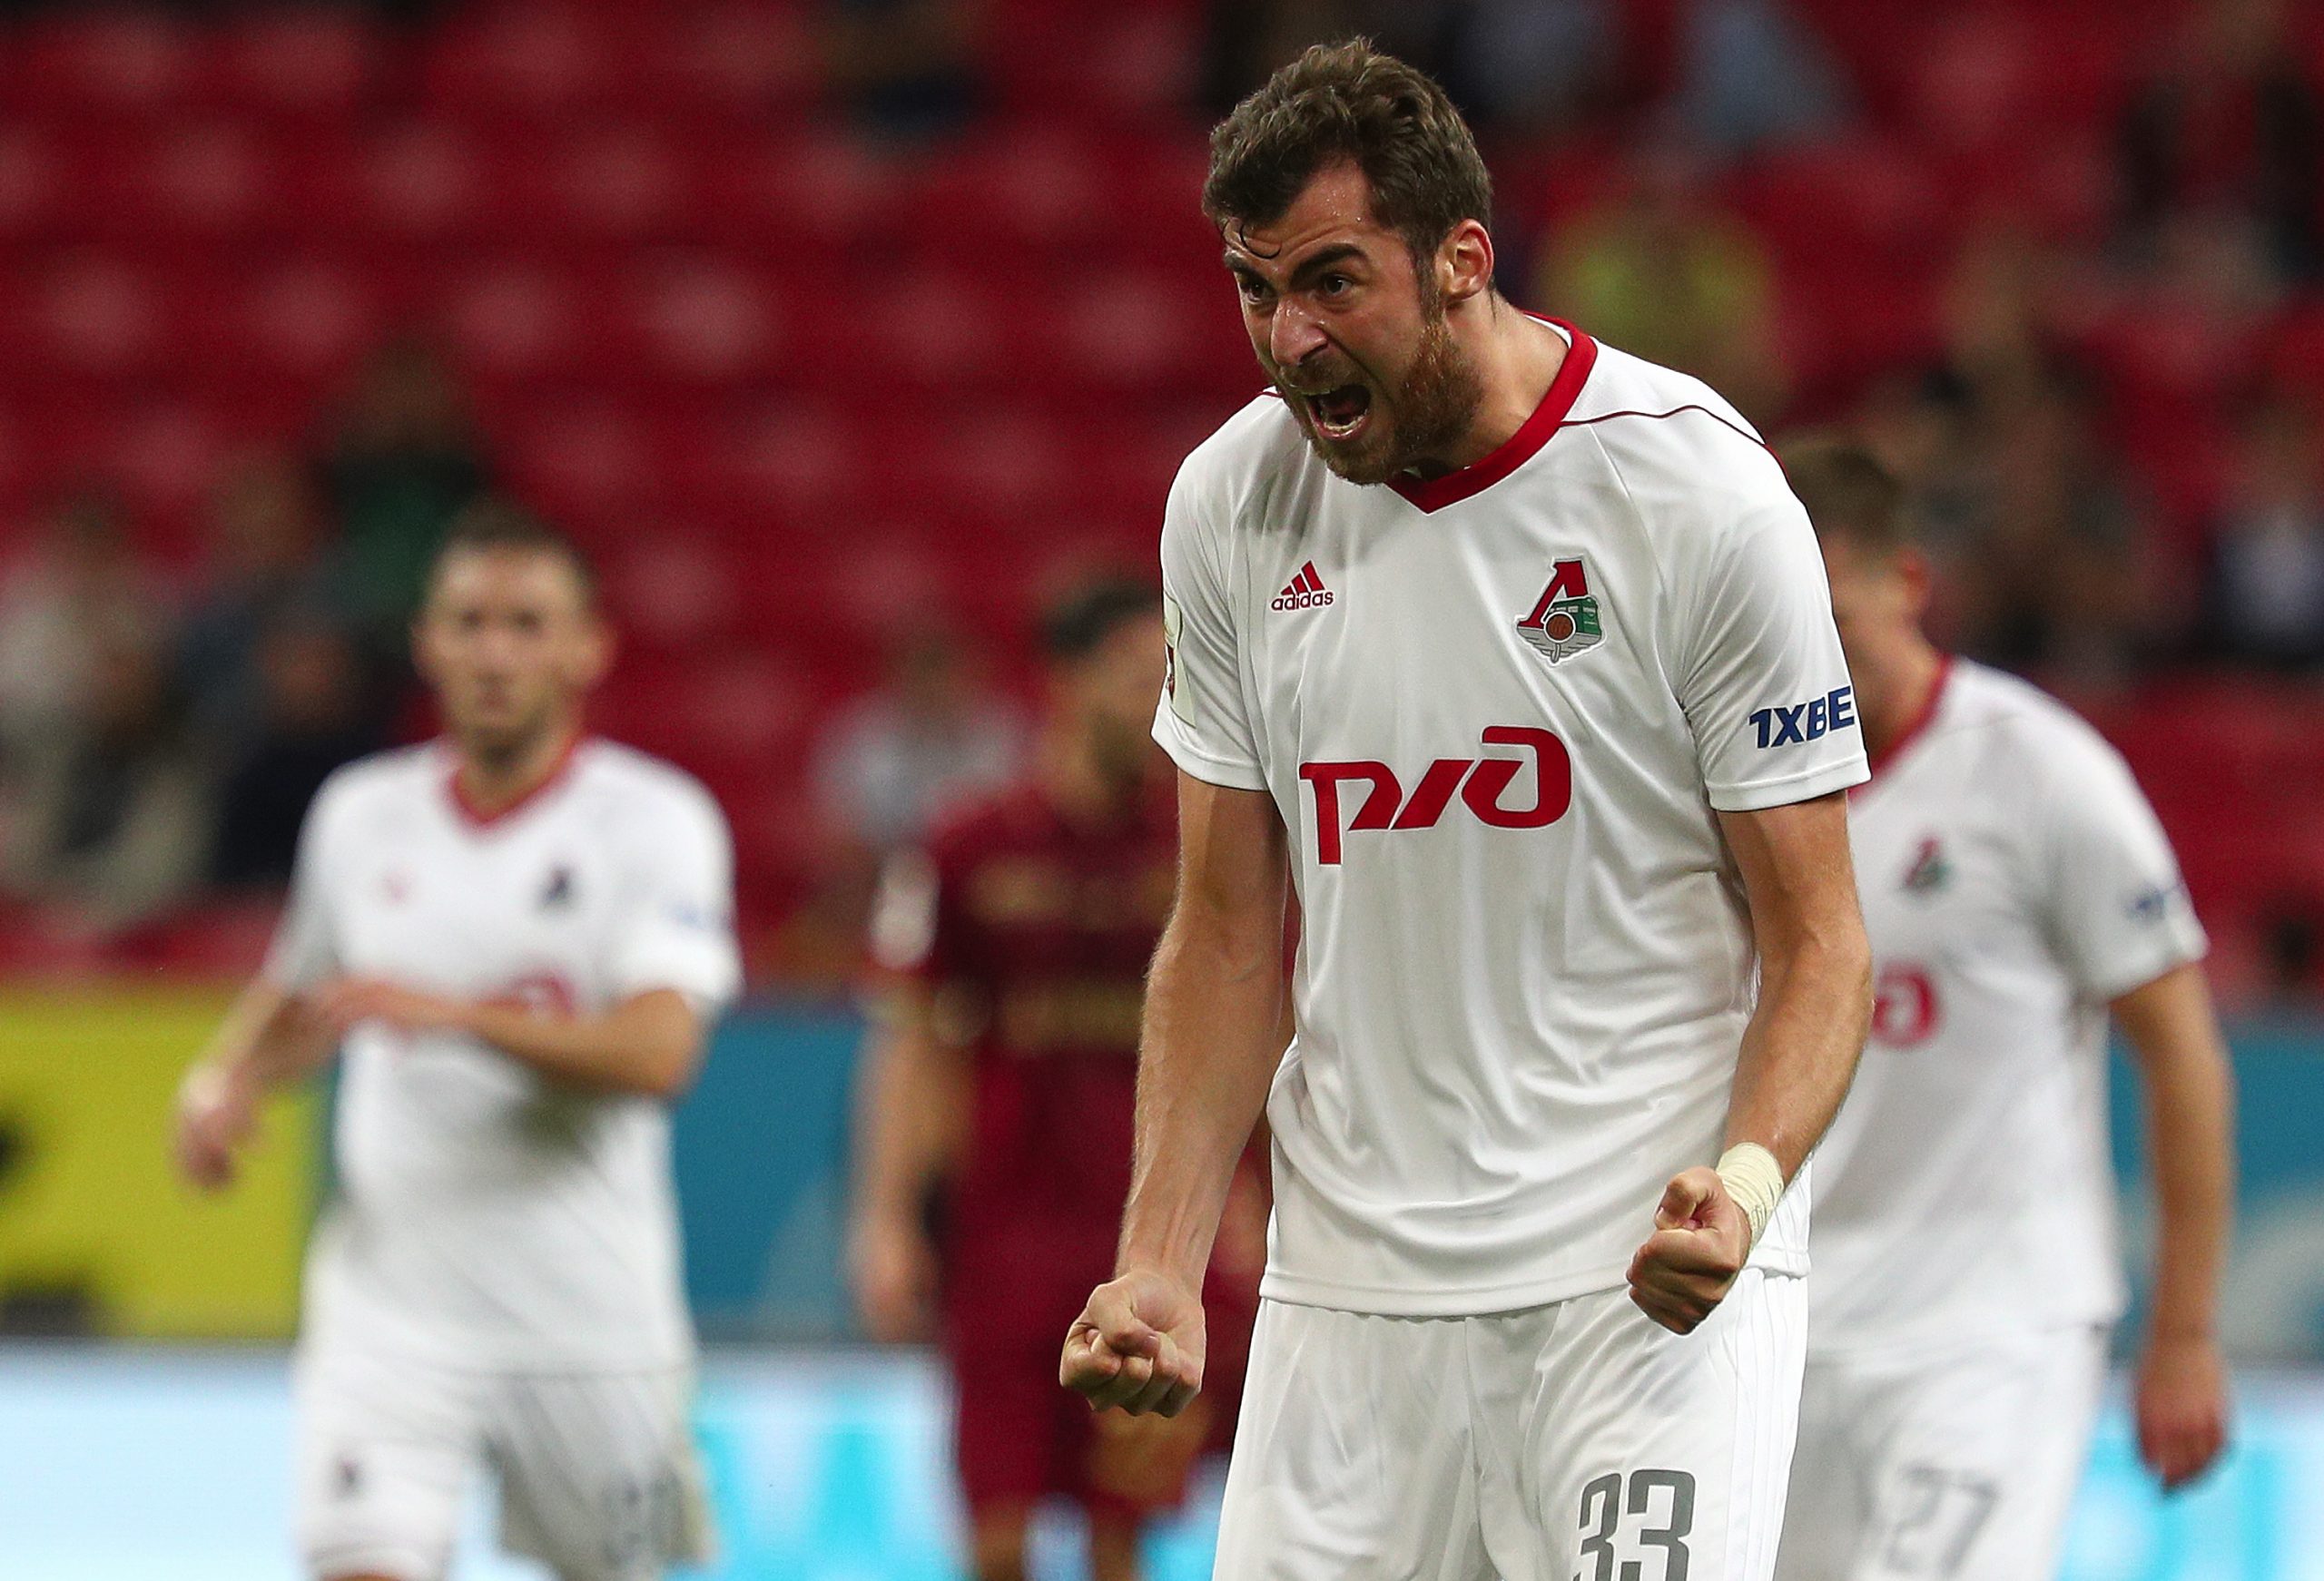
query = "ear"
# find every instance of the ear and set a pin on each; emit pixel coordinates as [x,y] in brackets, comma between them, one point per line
[1918,579]
[1464,262]
[595,654]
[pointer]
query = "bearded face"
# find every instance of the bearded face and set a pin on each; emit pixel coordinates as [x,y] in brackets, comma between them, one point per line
[1352,329]
[1368,425]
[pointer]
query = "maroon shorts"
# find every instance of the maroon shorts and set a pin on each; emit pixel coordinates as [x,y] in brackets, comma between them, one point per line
[1019,1435]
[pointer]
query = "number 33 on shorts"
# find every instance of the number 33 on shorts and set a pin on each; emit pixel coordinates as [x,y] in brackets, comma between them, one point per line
[1658,1514]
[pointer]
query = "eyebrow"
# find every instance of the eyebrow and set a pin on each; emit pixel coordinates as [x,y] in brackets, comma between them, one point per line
[1339,252]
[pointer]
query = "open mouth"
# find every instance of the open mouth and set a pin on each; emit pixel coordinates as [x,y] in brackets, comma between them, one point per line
[1340,414]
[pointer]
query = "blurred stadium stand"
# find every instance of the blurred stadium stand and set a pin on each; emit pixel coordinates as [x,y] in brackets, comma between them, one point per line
[809,371]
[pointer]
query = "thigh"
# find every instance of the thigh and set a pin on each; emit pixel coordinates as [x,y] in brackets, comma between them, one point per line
[1975,1469]
[1012,1425]
[385,1452]
[1621,1450]
[1351,1459]
[1830,1503]
[599,1477]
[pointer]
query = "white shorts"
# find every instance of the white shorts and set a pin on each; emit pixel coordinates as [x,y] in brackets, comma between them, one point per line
[597,1473]
[1576,1441]
[1933,1464]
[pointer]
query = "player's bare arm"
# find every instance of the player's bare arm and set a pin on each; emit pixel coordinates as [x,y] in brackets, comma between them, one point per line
[911,1108]
[2190,1091]
[650,1043]
[1208,1050]
[270,1038]
[1799,1054]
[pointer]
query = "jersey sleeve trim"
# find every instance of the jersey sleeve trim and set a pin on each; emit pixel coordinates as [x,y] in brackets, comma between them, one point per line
[1207,767]
[1757,795]
[2183,947]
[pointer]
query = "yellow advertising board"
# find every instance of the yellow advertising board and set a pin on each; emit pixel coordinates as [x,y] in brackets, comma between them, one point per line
[96,1224]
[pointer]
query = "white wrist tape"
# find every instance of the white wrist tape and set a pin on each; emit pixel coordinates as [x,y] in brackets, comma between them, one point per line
[1755,1179]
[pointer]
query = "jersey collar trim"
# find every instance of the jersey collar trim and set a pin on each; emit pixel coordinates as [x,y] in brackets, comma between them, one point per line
[1433,494]
[1919,726]
[479,818]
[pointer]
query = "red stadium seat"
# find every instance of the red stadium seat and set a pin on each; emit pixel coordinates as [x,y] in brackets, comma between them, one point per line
[312,64]
[699,318]
[133,62]
[583,459]
[735,60]
[538,60]
[423,179]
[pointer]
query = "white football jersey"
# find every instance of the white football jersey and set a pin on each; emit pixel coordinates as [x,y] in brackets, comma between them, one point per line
[2014,881]
[484,1215]
[1496,712]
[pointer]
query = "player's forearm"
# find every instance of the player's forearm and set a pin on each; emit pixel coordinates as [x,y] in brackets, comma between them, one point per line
[649,1045]
[908,1104]
[1211,1042]
[267,1040]
[1800,1049]
[2190,1092]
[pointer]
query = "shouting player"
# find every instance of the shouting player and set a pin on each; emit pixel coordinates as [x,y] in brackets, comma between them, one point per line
[2017,889]
[1003,1073]
[520,934]
[1514,652]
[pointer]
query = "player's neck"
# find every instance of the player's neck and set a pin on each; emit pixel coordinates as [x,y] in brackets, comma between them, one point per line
[492,782]
[1907,690]
[1079,783]
[1517,359]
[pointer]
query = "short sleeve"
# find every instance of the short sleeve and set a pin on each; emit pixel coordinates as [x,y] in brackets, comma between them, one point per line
[1759,669]
[2118,911]
[677,928]
[1201,721]
[916,927]
[305,949]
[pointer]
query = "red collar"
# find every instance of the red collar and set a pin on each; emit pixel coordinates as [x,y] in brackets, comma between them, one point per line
[1920,720]
[476,817]
[1433,494]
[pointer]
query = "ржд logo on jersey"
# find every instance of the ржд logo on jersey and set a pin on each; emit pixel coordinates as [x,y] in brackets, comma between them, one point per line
[1481,782]
[1565,619]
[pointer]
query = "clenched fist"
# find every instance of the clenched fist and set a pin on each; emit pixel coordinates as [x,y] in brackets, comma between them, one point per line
[1139,1344]
[1702,1240]
[217,1114]
[2181,1409]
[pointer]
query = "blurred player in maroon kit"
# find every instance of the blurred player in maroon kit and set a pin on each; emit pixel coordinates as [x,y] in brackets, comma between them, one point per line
[1000,1081]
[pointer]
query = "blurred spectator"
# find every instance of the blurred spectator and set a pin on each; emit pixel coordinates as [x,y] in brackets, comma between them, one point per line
[404,459]
[904,68]
[2229,130]
[107,823]
[1751,75]
[1530,65]
[265,562]
[310,718]
[2267,584]
[892,763]
[1512,65]
[2063,548]
[1666,274]
[82,586]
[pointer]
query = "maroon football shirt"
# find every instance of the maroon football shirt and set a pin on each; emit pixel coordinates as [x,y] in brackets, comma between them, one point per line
[1043,924]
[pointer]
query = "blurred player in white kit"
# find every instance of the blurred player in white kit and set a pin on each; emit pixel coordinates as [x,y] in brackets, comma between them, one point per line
[518,935]
[1967,1273]
[1513,653]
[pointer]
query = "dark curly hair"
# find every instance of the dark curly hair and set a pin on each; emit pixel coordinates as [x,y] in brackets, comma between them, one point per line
[1350,102]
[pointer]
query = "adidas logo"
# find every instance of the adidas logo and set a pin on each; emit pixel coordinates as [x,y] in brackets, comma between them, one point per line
[1306,591]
